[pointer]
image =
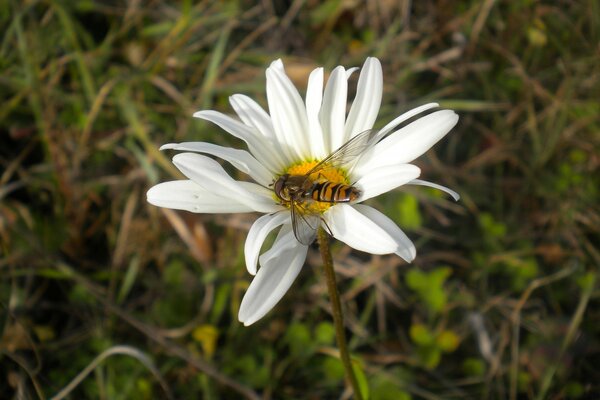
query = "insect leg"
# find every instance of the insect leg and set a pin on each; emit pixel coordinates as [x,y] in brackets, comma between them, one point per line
[327,227]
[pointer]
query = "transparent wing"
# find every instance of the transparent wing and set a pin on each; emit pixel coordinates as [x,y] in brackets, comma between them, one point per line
[304,224]
[348,151]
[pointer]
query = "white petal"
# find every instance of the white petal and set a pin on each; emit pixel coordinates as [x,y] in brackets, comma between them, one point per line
[252,114]
[314,98]
[403,117]
[365,107]
[272,281]
[288,115]
[258,190]
[405,247]
[189,196]
[451,192]
[358,231]
[284,242]
[277,64]
[240,159]
[385,178]
[209,174]
[408,143]
[257,144]
[333,110]
[350,71]
[415,139]
[257,235]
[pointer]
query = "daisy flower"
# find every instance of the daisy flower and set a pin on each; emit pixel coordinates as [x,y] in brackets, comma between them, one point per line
[291,139]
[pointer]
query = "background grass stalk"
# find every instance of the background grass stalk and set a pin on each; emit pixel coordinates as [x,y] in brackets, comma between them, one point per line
[92,91]
[336,308]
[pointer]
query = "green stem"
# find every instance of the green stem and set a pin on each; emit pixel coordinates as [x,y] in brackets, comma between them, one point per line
[336,307]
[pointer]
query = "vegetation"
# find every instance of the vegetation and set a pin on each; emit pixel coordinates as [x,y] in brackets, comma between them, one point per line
[503,300]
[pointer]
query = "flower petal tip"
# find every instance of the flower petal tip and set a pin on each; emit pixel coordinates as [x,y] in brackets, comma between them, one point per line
[199,114]
[246,317]
[178,158]
[150,193]
[277,64]
[168,146]
[408,253]
[372,60]
[412,254]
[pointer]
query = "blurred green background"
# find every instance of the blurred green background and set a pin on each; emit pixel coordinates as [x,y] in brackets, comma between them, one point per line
[500,303]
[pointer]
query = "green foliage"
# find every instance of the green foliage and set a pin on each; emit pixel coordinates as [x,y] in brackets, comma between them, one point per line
[491,227]
[207,335]
[299,339]
[90,91]
[447,341]
[325,11]
[250,370]
[80,294]
[522,271]
[333,369]
[144,388]
[325,333]
[586,282]
[473,367]
[574,390]
[409,215]
[421,336]
[385,389]
[431,344]
[429,286]
[361,378]
[176,305]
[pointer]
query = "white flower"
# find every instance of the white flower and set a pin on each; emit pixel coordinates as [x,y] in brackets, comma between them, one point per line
[293,135]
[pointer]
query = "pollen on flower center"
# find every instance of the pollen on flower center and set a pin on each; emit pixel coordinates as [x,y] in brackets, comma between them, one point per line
[329,174]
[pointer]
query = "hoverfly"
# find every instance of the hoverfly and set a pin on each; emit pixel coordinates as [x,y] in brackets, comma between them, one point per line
[300,191]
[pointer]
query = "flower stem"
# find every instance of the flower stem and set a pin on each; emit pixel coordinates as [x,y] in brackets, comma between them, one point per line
[336,307]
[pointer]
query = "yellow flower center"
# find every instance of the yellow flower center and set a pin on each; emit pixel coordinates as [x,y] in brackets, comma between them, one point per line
[323,174]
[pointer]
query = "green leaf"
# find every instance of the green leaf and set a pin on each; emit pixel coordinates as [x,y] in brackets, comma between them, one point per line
[586,282]
[447,341]
[421,335]
[429,286]
[408,211]
[430,357]
[390,385]
[363,384]
[416,280]
[221,302]
[473,367]
[325,333]
[144,388]
[389,391]
[207,335]
[491,227]
[299,339]
[174,272]
[80,294]
[574,390]
[333,369]
[325,11]
[129,279]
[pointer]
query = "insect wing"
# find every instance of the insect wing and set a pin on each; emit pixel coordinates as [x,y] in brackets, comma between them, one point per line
[348,151]
[304,224]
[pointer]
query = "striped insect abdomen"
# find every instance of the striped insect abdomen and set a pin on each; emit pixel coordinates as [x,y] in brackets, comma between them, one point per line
[329,192]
